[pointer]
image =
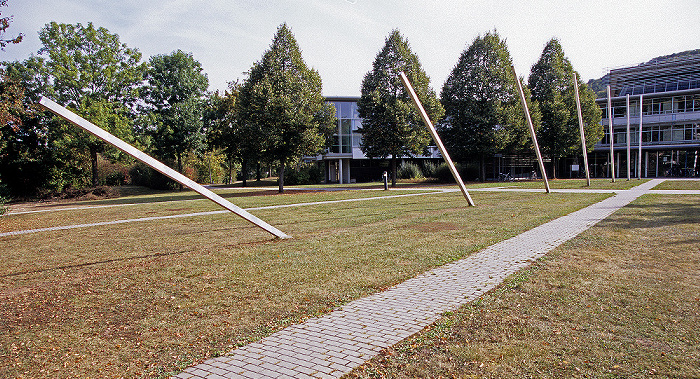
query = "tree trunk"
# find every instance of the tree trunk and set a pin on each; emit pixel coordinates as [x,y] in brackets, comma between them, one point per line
[257,172]
[281,178]
[555,161]
[93,162]
[482,169]
[179,166]
[229,179]
[244,171]
[393,170]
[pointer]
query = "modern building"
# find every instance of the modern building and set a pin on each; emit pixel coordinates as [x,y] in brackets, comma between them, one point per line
[663,96]
[345,162]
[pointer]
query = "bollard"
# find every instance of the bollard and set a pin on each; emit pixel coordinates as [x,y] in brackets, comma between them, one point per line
[385,176]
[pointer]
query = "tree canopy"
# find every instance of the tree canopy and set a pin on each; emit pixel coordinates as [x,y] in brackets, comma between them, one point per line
[483,114]
[175,90]
[281,107]
[91,71]
[551,83]
[391,126]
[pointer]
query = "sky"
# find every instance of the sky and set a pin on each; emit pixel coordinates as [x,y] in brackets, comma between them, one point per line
[341,38]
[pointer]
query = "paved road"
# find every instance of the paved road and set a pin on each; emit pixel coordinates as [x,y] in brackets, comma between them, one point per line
[332,345]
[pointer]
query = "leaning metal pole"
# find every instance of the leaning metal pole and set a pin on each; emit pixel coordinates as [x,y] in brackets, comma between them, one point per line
[532,128]
[436,138]
[639,157]
[629,147]
[583,135]
[612,137]
[157,165]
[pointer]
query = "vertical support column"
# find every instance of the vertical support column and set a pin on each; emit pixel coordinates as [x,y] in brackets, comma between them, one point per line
[340,170]
[436,137]
[583,135]
[628,138]
[612,136]
[641,115]
[532,128]
[156,165]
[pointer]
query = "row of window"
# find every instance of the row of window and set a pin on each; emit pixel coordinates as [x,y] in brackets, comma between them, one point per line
[662,105]
[656,133]
[659,87]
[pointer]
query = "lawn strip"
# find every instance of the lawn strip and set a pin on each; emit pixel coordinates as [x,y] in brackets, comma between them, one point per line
[621,300]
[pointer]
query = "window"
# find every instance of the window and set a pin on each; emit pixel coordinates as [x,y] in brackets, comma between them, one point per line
[678,133]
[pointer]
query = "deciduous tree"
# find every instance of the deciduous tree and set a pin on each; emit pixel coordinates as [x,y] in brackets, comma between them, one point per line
[483,114]
[391,126]
[96,75]
[281,109]
[175,90]
[551,83]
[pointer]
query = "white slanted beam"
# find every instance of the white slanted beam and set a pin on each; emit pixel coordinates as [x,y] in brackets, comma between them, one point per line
[532,128]
[436,138]
[583,134]
[156,165]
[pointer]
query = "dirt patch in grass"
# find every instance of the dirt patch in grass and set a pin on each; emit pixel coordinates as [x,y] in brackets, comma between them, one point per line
[620,301]
[148,299]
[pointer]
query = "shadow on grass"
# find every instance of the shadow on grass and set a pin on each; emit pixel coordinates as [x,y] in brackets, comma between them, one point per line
[87,264]
[675,211]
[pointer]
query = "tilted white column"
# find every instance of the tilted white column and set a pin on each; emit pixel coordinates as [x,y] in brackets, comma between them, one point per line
[436,138]
[629,146]
[156,165]
[641,115]
[583,135]
[612,136]
[532,128]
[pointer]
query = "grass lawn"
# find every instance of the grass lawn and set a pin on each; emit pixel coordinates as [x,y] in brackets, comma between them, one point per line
[148,299]
[685,184]
[620,301]
[620,184]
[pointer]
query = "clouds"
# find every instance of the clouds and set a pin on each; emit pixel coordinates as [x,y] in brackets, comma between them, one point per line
[340,38]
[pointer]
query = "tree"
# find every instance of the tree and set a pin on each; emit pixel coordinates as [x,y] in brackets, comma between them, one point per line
[281,110]
[36,153]
[175,93]
[391,126]
[483,114]
[91,71]
[4,24]
[551,82]
[221,126]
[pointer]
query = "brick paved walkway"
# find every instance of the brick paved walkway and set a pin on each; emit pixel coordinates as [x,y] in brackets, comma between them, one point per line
[330,346]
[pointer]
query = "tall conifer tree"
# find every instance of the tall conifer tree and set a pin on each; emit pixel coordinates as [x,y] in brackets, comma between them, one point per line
[390,124]
[280,106]
[551,83]
[483,114]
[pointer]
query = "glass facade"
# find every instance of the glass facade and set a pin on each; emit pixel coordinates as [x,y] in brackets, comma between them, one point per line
[348,122]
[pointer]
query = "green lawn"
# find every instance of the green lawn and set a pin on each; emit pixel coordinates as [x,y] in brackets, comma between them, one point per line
[150,298]
[619,301]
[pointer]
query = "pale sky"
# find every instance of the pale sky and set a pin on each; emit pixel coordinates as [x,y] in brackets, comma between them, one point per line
[341,38]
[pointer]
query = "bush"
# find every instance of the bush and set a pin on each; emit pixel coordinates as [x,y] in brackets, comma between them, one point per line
[429,169]
[409,170]
[311,174]
[143,175]
[444,175]
[4,198]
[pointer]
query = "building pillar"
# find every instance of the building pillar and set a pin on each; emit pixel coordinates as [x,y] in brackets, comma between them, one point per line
[340,171]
